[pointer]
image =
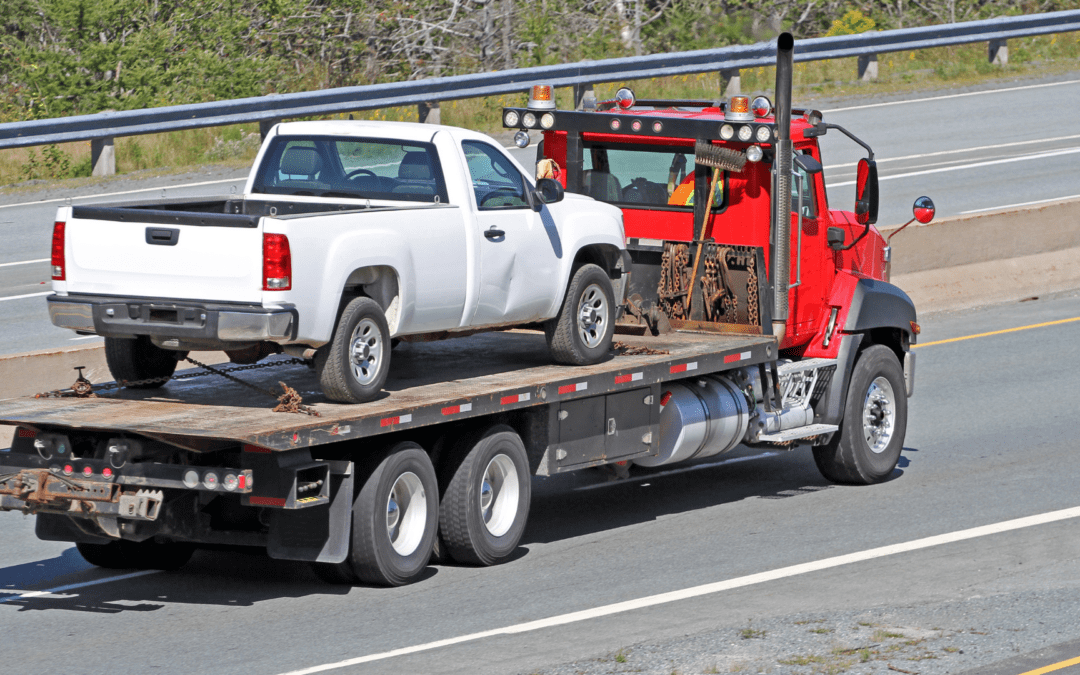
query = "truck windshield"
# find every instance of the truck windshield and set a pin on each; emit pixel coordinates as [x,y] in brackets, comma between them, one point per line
[359,168]
[643,176]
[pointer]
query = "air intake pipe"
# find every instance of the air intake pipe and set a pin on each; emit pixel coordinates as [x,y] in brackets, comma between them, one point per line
[781,206]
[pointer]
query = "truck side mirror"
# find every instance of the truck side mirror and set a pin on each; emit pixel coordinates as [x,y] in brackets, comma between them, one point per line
[547,191]
[924,210]
[807,163]
[835,237]
[866,192]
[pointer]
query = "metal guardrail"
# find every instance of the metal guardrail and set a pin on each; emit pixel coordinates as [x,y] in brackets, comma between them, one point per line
[346,99]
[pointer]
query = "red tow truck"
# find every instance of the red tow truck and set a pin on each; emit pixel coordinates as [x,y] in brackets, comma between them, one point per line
[755,316]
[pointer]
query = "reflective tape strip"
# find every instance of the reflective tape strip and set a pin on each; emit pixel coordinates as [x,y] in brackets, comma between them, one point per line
[391,421]
[683,367]
[571,388]
[629,377]
[27,433]
[455,409]
[735,358]
[256,449]
[516,398]
[266,501]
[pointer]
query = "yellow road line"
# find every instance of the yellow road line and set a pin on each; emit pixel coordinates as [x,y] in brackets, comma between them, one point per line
[998,332]
[1052,667]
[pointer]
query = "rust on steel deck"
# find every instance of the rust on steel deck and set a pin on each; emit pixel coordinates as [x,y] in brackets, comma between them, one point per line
[428,383]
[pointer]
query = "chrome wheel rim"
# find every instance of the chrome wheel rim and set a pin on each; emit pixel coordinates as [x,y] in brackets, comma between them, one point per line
[879,415]
[499,489]
[406,513]
[592,316]
[366,351]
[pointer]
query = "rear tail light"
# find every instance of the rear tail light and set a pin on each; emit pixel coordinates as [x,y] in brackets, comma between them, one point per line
[277,263]
[58,251]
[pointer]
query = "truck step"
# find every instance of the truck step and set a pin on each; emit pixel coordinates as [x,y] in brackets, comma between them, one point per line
[797,433]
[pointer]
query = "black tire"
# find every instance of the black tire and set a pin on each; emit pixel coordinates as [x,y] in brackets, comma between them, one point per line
[373,558]
[137,555]
[137,358]
[362,324]
[494,466]
[849,457]
[567,333]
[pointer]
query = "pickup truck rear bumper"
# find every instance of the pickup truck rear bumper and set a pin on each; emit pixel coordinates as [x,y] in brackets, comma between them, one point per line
[112,316]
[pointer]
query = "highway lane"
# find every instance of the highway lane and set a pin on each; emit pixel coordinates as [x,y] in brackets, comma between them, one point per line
[990,439]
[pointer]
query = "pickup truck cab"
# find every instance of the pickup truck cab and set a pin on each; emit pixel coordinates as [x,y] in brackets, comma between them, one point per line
[349,234]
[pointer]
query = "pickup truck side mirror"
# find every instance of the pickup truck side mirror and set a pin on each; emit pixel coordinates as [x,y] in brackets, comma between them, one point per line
[547,191]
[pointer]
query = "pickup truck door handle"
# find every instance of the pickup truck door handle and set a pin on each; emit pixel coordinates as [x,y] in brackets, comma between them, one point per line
[494,233]
[162,236]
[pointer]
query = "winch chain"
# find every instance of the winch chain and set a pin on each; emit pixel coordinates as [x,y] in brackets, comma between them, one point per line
[752,292]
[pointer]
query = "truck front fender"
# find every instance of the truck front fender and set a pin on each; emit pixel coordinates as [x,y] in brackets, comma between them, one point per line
[879,304]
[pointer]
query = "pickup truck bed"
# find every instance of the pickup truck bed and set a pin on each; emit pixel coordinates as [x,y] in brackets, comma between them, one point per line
[431,383]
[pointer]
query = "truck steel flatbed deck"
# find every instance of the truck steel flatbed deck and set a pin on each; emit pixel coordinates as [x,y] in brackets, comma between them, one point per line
[430,383]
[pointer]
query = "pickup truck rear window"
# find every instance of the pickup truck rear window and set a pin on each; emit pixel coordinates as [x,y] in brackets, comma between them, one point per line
[361,168]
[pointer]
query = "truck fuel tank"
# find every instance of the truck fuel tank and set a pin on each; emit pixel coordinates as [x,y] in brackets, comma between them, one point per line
[699,418]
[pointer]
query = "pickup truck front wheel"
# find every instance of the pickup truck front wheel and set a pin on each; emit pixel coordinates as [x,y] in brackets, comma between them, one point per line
[353,367]
[581,334]
[134,359]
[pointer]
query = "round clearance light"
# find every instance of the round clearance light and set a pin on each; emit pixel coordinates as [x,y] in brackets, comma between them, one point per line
[615,124]
[727,132]
[754,153]
[88,471]
[745,133]
[230,482]
[657,127]
[547,120]
[107,472]
[763,134]
[191,479]
[636,125]
[761,106]
[68,469]
[529,120]
[511,118]
[210,480]
[521,139]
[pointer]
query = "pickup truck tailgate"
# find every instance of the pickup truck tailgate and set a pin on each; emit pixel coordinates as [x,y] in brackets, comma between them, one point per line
[164,254]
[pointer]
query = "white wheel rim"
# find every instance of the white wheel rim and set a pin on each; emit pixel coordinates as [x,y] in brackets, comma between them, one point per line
[406,513]
[365,351]
[499,489]
[879,415]
[592,316]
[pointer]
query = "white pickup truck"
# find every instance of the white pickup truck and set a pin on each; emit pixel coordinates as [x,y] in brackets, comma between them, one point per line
[348,235]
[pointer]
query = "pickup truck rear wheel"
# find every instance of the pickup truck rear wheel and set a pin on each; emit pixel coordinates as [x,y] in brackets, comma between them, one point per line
[353,367]
[581,333]
[137,555]
[394,522]
[867,446]
[138,358]
[485,499]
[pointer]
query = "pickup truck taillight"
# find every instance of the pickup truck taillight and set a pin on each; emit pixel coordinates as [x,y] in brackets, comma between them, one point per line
[277,262]
[58,251]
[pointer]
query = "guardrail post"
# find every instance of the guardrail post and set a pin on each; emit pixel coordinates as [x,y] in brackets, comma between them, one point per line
[429,113]
[998,51]
[103,157]
[265,126]
[584,97]
[868,67]
[731,82]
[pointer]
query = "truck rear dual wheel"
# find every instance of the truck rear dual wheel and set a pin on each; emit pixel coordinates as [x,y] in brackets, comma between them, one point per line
[581,333]
[485,499]
[867,446]
[394,522]
[137,555]
[138,358]
[354,366]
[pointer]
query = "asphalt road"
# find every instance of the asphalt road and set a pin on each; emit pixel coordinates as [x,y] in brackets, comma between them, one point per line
[1005,144]
[990,439]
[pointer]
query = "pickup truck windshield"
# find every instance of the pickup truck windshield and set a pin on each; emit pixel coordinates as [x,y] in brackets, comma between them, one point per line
[361,168]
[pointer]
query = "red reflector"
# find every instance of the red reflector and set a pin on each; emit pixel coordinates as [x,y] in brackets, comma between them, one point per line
[87,471]
[256,449]
[665,398]
[241,482]
[915,328]
[58,250]
[277,262]
[27,433]
[107,472]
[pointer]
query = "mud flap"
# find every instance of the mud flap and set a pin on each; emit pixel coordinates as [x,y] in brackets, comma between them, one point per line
[55,527]
[319,533]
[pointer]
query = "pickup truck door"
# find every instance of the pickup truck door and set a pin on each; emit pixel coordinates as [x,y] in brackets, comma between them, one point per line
[520,249]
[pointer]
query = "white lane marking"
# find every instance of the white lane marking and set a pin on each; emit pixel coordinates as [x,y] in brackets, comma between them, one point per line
[672,472]
[716,587]
[126,192]
[832,167]
[1010,206]
[948,96]
[84,584]
[25,262]
[85,337]
[28,295]
[1019,158]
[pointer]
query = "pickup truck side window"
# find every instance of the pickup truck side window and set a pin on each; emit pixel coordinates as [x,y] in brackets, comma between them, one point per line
[360,168]
[644,176]
[496,181]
